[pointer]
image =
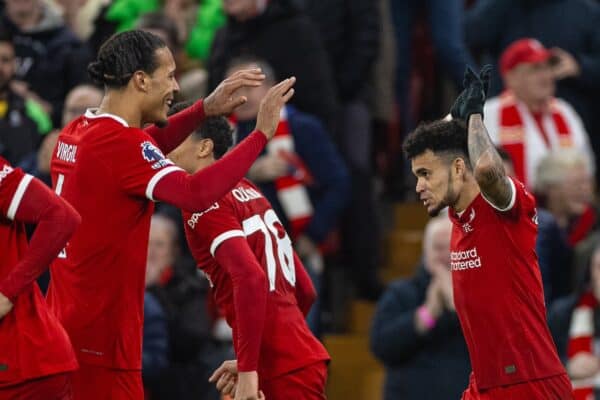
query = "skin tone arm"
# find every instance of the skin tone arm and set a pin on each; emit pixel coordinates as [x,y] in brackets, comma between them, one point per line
[487,165]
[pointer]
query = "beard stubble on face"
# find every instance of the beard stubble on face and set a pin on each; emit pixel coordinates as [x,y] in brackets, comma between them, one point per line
[448,200]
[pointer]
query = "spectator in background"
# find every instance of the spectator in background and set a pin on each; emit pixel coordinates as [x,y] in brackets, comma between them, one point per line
[155,342]
[174,285]
[564,185]
[193,80]
[415,330]
[526,119]
[307,185]
[277,32]
[574,322]
[23,122]
[79,99]
[51,59]
[568,27]
[445,24]
[350,31]
[554,254]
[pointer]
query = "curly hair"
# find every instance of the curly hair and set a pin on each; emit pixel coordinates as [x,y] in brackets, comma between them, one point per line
[440,137]
[217,129]
[122,55]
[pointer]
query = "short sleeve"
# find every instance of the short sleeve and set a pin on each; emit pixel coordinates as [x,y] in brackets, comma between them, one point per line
[139,163]
[208,229]
[13,185]
[521,202]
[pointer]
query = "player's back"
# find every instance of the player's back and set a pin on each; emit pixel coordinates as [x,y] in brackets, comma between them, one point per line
[287,342]
[97,284]
[32,342]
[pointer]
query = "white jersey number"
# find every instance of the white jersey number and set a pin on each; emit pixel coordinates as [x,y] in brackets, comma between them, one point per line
[283,246]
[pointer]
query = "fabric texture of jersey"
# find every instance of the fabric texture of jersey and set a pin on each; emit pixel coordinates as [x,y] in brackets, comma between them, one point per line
[498,292]
[33,343]
[287,343]
[107,171]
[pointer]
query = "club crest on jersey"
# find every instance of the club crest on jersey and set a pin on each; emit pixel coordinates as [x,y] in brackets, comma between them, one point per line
[152,154]
[467,227]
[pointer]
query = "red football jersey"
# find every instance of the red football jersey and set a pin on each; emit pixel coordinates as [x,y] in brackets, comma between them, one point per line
[498,292]
[107,171]
[287,343]
[32,341]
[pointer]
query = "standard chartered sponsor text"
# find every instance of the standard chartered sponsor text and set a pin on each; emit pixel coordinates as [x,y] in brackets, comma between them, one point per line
[465,259]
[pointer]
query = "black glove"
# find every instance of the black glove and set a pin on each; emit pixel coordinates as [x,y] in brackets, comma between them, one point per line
[472,98]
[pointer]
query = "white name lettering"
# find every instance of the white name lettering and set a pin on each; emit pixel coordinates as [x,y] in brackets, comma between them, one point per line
[195,216]
[66,152]
[244,195]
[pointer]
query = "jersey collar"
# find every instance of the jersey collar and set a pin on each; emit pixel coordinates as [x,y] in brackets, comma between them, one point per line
[91,113]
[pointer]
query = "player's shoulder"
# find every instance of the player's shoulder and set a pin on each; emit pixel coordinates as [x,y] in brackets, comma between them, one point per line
[8,173]
[3,162]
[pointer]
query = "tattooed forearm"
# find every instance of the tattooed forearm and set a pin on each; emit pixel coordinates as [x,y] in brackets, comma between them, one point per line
[487,165]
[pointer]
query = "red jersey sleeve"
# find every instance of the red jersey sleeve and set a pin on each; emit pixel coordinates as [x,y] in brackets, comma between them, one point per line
[214,225]
[25,199]
[13,184]
[139,163]
[219,232]
[180,126]
[521,202]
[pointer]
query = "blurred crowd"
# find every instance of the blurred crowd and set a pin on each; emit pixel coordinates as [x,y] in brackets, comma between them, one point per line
[367,73]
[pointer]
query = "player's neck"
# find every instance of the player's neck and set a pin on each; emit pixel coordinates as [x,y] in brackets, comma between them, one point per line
[469,192]
[117,104]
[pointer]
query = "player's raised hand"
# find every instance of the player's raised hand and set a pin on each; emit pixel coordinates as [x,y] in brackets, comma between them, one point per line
[472,98]
[271,105]
[5,305]
[222,101]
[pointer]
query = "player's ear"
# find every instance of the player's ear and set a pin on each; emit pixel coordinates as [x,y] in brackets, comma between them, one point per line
[205,148]
[140,81]
[458,167]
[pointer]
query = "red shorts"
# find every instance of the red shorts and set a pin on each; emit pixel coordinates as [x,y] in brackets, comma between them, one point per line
[53,387]
[92,382]
[307,383]
[554,388]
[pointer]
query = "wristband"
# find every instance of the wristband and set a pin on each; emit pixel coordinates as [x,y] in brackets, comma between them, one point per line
[426,318]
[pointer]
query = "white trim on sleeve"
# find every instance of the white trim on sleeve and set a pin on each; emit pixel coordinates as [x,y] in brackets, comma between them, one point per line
[157,177]
[223,237]
[513,198]
[18,196]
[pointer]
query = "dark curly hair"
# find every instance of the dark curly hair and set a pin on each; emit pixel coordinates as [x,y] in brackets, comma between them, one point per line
[441,137]
[217,129]
[122,55]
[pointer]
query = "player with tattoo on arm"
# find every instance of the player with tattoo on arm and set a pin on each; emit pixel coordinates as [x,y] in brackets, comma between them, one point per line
[498,291]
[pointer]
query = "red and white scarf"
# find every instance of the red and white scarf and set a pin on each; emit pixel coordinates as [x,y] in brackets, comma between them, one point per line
[581,340]
[291,189]
[512,132]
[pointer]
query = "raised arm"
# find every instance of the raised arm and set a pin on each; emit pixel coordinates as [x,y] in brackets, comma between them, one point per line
[485,161]
[487,165]
[198,191]
[222,101]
